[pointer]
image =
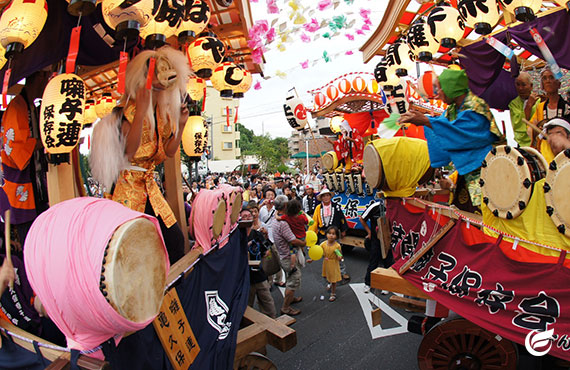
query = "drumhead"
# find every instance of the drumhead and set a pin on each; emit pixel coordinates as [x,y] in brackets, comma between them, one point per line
[507,181]
[133,273]
[219,219]
[236,207]
[330,161]
[556,192]
[372,166]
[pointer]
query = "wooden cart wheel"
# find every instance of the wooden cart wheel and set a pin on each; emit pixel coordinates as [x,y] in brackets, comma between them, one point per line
[256,361]
[461,345]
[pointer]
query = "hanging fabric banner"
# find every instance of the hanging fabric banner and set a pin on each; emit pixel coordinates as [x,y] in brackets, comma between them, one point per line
[546,53]
[500,47]
[123,60]
[73,50]
[150,75]
[5,87]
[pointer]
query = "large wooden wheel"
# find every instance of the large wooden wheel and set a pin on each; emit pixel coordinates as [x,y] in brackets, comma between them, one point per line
[461,345]
[256,361]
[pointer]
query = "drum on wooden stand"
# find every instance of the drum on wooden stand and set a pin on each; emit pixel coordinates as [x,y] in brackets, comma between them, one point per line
[208,217]
[98,268]
[507,179]
[372,164]
[328,180]
[330,161]
[556,189]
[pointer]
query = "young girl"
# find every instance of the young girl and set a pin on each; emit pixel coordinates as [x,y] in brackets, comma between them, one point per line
[331,259]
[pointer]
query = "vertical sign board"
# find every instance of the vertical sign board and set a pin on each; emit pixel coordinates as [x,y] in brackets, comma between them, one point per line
[175,333]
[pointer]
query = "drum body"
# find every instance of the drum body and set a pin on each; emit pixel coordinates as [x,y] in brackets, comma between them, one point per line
[330,161]
[208,217]
[329,180]
[234,202]
[98,268]
[556,192]
[507,178]
[372,164]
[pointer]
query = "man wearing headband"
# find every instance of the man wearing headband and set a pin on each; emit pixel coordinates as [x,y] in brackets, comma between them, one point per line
[523,106]
[558,131]
[463,134]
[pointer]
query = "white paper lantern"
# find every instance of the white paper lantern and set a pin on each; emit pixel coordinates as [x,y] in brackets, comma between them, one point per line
[158,30]
[195,136]
[244,85]
[195,19]
[446,25]
[127,18]
[385,76]
[105,105]
[421,41]
[195,88]
[400,57]
[296,113]
[524,10]
[320,99]
[481,15]
[21,23]
[397,99]
[62,113]
[90,115]
[226,77]
[206,53]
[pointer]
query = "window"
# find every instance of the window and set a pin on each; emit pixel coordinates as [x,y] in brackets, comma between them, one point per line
[228,145]
[224,112]
[226,128]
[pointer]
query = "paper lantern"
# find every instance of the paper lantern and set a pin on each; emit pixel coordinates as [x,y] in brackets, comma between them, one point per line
[564,3]
[62,113]
[427,85]
[332,92]
[159,28]
[89,115]
[226,77]
[205,54]
[446,25]
[295,112]
[320,99]
[3,59]
[105,105]
[398,102]
[334,123]
[126,18]
[358,84]
[400,58]
[195,136]
[524,10]
[372,86]
[244,85]
[421,41]
[195,19]
[81,7]
[385,76]
[195,88]
[481,15]
[21,23]
[344,86]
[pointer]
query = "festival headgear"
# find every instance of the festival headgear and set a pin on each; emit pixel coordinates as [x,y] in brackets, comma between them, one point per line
[345,126]
[165,72]
[309,186]
[454,83]
[324,192]
[558,122]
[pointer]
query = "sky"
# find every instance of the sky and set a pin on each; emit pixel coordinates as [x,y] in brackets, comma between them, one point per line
[262,110]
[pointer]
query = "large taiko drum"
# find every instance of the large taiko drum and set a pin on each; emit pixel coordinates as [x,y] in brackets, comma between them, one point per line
[208,217]
[372,164]
[330,161]
[507,179]
[98,268]
[556,188]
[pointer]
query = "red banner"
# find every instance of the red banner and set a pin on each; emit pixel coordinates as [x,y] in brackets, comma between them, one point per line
[73,50]
[486,280]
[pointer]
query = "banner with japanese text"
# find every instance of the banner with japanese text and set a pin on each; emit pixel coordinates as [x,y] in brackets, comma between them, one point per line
[484,279]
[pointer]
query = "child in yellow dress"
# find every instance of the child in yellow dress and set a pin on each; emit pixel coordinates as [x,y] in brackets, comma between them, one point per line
[331,260]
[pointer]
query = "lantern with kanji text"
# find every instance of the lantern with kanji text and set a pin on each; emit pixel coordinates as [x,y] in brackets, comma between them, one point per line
[385,76]
[400,57]
[159,28]
[21,23]
[244,85]
[195,87]
[481,15]
[421,41]
[196,18]
[206,53]
[62,115]
[127,17]
[446,25]
[226,77]
[195,137]
[397,99]
[105,105]
[524,10]
[295,113]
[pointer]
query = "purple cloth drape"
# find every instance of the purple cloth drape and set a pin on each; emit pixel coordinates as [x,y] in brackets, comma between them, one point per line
[483,64]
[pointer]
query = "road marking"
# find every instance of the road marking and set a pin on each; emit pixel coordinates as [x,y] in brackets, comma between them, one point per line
[365,300]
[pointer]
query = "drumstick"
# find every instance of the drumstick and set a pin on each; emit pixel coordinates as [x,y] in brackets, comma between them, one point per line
[7,238]
[535,128]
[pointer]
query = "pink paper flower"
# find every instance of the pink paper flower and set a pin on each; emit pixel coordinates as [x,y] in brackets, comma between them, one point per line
[364,13]
[305,64]
[366,27]
[272,7]
[324,4]
[349,52]
[257,56]
[368,21]
[359,32]
[349,36]
[254,1]
[270,35]
[305,37]
[312,26]
[257,86]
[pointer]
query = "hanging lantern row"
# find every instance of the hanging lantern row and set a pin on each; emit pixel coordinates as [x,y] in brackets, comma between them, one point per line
[21,23]
[345,86]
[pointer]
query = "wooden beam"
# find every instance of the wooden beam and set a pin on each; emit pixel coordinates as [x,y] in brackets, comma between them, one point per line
[353,240]
[174,195]
[376,316]
[182,264]
[445,211]
[61,183]
[250,339]
[388,279]
[286,320]
[279,336]
[408,303]
[59,364]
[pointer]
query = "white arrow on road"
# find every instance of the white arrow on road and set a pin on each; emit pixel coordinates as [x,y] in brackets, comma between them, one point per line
[365,300]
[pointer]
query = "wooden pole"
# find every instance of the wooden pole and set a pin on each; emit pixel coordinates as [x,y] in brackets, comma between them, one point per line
[8,248]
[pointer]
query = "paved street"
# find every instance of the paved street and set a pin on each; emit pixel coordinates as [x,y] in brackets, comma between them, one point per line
[336,335]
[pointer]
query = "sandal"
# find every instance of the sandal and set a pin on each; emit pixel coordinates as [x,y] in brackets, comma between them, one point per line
[332,298]
[297,299]
[291,311]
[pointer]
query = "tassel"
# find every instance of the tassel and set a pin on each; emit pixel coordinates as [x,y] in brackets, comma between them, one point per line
[150,75]
[5,87]
[73,50]
[228,115]
[236,117]
[204,100]
[124,59]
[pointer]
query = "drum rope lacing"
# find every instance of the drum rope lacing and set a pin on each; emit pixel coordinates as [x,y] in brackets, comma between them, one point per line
[98,348]
[475,222]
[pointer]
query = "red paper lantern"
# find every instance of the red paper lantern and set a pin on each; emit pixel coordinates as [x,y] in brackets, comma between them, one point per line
[320,99]
[358,84]
[427,85]
[372,86]
[332,92]
[344,86]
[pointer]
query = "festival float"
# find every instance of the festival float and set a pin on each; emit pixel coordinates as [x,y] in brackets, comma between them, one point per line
[487,282]
[93,268]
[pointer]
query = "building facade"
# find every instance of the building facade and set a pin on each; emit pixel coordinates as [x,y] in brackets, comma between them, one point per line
[221,114]
[299,140]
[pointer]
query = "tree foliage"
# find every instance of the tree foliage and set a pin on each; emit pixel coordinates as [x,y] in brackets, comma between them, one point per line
[270,152]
